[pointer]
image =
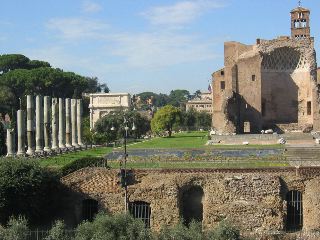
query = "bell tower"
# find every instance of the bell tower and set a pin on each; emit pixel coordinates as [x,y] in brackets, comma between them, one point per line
[300,23]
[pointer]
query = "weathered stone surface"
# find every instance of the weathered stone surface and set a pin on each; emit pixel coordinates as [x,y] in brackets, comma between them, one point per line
[255,200]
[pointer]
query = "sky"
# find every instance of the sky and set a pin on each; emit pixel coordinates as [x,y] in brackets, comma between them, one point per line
[142,45]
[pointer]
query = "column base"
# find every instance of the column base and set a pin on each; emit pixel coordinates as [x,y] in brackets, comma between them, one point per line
[47,149]
[21,154]
[39,151]
[10,155]
[30,152]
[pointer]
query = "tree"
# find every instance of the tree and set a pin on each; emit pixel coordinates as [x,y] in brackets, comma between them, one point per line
[190,119]
[165,119]
[26,189]
[58,232]
[178,97]
[203,120]
[115,119]
[17,229]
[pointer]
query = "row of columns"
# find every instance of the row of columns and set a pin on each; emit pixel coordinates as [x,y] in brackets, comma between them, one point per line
[66,127]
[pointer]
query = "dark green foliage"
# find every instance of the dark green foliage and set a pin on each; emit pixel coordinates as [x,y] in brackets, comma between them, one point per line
[117,227]
[20,76]
[3,148]
[116,119]
[178,97]
[58,232]
[26,189]
[181,232]
[17,229]
[224,231]
[81,163]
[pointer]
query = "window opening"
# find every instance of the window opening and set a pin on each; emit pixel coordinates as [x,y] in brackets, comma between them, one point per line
[253,78]
[309,108]
[141,210]
[223,85]
[89,209]
[294,210]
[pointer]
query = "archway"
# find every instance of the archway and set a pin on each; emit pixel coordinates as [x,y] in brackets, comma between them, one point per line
[191,205]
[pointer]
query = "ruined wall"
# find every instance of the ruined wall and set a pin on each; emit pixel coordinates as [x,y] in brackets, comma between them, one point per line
[249,88]
[288,82]
[255,200]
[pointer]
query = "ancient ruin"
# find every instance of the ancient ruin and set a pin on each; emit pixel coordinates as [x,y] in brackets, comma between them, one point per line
[38,127]
[272,84]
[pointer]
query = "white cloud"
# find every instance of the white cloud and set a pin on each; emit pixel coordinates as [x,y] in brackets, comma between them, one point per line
[91,7]
[77,28]
[180,13]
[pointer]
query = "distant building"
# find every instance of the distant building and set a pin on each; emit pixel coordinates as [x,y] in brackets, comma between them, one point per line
[103,103]
[201,104]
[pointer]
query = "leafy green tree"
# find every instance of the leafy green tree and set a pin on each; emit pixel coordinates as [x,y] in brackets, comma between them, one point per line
[178,97]
[26,189]
[203,120]
[58,232]
[190,118]
[10,62]
[116,120]
[17,229]
[117,227]
[3,148]
[165,119]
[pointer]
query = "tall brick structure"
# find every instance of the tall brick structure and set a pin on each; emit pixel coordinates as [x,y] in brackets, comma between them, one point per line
[272,84]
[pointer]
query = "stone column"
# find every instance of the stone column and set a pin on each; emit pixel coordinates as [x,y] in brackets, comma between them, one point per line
[68,123]
[62,132]
[46,123]
[74,122]
[10,137]
[79,122]
[30,124]
[39,125]
[21,133]
[54,120]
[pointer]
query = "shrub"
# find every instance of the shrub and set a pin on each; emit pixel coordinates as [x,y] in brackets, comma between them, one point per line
[117,227]
[224,231]
[26,189]
[17,229]
[58,232]
[81,163]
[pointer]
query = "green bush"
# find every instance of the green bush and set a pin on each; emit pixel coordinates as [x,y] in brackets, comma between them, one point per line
[17,229]
[26,189]
[58,232]
[117,227]
[81,163]
[224,231]
[181,232]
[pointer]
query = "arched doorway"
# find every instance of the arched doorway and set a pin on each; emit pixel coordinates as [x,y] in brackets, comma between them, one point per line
[191,205]
[294,210]
[89,209]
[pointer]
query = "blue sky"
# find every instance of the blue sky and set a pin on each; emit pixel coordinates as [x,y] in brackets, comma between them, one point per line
[142,45]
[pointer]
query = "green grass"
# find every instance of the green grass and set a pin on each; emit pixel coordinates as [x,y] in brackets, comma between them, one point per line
[193,140]
[61,160]
[186,165]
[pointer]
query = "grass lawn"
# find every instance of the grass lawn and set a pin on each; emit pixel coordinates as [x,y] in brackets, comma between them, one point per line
[61,160]
[193,140]
[186,165]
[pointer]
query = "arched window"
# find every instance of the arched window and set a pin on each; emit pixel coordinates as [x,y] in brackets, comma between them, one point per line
[294,210]
[141,210]
[191,205]
[89,209]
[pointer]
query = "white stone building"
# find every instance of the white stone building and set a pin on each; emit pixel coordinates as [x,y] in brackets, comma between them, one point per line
[104,103]
[201,104]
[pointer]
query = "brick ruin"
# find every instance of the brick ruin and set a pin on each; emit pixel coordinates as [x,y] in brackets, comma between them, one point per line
[258,201]
[272,84]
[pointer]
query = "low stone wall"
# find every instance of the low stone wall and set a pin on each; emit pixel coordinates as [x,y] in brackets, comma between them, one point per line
[253,199]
